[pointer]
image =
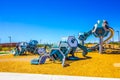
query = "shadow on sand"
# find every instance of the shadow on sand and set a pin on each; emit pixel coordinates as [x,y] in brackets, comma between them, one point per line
[68,62]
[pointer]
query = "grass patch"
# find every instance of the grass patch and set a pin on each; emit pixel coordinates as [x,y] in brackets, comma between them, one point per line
[4,52]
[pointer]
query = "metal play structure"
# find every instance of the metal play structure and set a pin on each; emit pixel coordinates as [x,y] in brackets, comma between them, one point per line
[23,47]
[69,45]
[60,52]
[100,30]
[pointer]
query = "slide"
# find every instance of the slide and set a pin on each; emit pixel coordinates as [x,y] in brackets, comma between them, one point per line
[111,35]
[85,51]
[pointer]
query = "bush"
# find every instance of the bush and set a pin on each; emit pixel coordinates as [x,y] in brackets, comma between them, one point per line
[5,49]
[117,43]
[40,45]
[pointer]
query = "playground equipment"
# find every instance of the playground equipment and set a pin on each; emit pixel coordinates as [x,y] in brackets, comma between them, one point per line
[42,58]
[23,47]
[70,44]
[32,45]
[100,30]
[61,51]
[20,49]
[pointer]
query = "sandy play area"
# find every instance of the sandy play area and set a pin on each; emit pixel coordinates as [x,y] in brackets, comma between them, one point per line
[96,65]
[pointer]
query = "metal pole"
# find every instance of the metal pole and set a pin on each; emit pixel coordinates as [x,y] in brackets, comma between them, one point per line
[118,38]
[83,42]
[113,42]
[101,45]
[40,41]
[10,41]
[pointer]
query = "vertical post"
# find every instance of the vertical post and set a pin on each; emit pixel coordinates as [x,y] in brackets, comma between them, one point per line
[40,41]
[113,42]
[118,38]
[10,41]
[82,42]
[101,45]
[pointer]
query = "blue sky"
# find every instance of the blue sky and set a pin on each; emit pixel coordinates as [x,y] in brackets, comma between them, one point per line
[49,20]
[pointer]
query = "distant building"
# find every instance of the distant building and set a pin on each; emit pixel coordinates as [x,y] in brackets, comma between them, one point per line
[8,44]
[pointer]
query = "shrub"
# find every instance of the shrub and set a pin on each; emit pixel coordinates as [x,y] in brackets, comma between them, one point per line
[5,49]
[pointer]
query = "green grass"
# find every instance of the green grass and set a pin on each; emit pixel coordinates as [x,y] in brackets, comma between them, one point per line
[4,52]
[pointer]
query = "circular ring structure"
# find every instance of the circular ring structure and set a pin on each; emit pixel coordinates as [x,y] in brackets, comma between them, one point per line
[72,41]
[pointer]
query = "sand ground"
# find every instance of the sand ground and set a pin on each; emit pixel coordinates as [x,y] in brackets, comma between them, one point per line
[96,65]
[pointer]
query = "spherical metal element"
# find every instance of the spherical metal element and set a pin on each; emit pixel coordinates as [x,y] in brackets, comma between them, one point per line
[101,29]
